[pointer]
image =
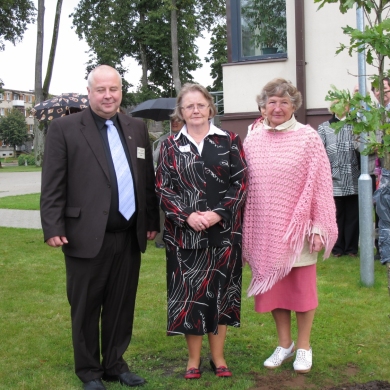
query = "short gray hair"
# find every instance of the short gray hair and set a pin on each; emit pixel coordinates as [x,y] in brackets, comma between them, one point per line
[100,68]
[188,87]
[279,87]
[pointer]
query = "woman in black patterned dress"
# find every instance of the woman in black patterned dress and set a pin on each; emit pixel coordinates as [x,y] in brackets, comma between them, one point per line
[201,182]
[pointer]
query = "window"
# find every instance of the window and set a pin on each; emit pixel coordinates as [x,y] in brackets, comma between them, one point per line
[258,29]
[31,129]
[29,98]
[16,96]
[8,95]
[2,113]
[1,96]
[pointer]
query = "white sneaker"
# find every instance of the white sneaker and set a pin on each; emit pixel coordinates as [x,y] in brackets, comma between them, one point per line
[279,356]
[303,361]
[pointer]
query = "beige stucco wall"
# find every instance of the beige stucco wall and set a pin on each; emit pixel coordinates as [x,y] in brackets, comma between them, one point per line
[242,82]
[324,67]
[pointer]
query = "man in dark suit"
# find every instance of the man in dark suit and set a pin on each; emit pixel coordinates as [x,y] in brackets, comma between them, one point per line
[98,203]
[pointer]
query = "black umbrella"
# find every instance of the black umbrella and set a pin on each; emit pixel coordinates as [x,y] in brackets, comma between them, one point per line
[157,109]
[58,106]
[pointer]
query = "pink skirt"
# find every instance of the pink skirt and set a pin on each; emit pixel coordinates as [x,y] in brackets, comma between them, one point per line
[297,291]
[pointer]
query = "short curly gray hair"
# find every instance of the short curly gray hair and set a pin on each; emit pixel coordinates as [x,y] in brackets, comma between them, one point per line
[188,87]
[279,87]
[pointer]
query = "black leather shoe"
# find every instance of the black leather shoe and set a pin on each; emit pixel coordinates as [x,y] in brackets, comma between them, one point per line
[159,246]
[125,379]
[94,385]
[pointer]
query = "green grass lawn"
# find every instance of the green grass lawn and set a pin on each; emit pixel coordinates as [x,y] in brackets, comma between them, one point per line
[21,168]
[20,202]
[350,338]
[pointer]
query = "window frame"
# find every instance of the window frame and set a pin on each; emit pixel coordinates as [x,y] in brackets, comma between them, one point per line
[236,38]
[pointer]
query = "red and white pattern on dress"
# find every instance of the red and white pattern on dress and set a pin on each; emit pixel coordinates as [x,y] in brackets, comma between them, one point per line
[203,268]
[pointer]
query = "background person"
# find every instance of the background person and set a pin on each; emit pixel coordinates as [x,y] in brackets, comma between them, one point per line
[374,162]
[82,193]
[201,183]
[341,150]
[289,216]
[176,126]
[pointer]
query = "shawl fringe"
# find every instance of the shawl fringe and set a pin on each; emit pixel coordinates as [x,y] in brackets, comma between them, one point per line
[295,237]
[309,206]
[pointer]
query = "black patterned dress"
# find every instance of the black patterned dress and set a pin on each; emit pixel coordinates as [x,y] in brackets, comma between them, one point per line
[203,268]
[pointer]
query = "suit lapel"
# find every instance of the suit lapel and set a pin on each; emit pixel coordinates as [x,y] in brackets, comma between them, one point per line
[91,134]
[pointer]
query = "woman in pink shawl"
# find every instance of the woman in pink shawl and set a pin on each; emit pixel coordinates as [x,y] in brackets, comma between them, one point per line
[289,217]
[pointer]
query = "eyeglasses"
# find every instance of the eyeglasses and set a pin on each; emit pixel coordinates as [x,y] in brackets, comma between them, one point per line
[191,107]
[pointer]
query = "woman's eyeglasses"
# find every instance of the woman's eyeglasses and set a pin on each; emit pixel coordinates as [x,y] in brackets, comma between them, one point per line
[191,107]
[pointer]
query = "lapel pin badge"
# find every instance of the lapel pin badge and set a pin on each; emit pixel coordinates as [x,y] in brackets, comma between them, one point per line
[129,137]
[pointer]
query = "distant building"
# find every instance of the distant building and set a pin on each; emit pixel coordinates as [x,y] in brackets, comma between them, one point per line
[23,101]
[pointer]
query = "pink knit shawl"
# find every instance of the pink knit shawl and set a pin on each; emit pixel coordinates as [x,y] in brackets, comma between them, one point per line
[289,195]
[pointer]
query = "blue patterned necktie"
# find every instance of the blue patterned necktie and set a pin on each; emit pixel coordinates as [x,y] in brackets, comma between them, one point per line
[122,170]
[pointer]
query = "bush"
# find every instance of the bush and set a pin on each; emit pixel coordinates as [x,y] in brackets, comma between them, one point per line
[26,157]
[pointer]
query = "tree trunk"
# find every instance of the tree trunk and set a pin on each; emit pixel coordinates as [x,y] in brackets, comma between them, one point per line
[144,65]
[144,61]
[39,138]
[175,49]
[42,94]
[54,40]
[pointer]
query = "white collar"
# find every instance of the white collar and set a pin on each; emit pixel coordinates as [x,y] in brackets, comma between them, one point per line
[213,130]
[290,124]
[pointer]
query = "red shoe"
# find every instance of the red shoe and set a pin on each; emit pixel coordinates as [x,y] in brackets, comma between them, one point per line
[193,373]
[221,371]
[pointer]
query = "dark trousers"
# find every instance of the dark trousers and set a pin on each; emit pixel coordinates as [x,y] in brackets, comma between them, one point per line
[373,178]
[159,236]
[103,290]
[347,216]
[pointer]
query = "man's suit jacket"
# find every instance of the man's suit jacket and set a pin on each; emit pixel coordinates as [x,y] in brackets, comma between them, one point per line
[76,193]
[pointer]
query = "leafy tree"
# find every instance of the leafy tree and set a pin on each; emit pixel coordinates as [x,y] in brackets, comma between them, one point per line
[15,15]
[142,30]
[266,22]
[217,55]
[13,130]
[369,117]
[375,40]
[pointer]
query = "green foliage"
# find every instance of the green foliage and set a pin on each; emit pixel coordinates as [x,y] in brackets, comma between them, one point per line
[13,128]
[346,5]
[374,40]
[217,55]
[14,17]
[117,29]
[30,158]
[267,22]
[364,115]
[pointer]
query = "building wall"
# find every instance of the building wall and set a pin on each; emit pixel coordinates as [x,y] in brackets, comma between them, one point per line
[323,67]
[323,35]
[243,81]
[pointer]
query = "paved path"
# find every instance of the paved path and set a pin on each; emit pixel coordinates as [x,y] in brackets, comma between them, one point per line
[20,183]
[29,219]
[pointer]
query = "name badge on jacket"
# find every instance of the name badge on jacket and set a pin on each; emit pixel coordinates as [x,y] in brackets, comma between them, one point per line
[185,148]
[141,153]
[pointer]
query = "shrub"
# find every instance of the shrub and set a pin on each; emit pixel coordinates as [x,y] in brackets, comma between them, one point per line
[26,157]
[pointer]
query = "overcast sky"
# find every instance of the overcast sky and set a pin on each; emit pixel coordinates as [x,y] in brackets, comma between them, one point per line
[17,62]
